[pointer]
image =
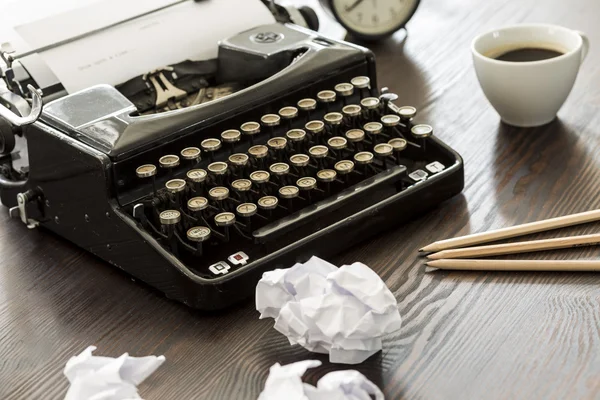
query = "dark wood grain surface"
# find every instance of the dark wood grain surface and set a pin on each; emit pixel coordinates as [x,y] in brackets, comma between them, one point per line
[464,335]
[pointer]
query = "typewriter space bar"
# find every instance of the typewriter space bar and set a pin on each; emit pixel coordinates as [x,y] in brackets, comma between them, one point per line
[360,194]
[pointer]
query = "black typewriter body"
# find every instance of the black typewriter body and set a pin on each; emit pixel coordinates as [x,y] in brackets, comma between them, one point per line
[188,234]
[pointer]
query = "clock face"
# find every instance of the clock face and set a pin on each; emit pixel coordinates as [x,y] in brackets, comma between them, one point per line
[374,17]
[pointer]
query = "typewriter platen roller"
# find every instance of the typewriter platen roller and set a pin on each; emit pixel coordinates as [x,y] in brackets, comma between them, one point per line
[199,202]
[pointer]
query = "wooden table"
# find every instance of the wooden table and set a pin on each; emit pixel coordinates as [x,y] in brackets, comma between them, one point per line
[464,335]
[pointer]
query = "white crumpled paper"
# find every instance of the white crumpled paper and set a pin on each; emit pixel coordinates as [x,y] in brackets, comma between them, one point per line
[285,383]
[341,311]
[107,378]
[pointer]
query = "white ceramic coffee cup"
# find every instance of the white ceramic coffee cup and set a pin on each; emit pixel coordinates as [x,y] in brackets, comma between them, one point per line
[528,93]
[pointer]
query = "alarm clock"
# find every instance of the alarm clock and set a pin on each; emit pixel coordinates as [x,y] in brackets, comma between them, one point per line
[371,19]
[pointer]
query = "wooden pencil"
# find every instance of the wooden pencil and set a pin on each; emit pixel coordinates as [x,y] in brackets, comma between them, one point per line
[513,231]
[516,265]
[516,248]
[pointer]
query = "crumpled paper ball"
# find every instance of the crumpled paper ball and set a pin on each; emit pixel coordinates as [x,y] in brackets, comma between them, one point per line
[285,383]
[342,312]
[107,378]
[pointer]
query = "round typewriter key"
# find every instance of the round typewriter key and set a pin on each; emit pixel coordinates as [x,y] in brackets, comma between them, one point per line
[355,135]
[198,234]
[299,160]
[218,193]
[385,98]
[422,132]
[277,143]
[288,192]
[373,128]
[326,96]
[352,110]
[344,89]
[169,161]
[197,203]
[364,157]
[260,177]
[390,120]
[246,209]
[288,112]
[225,219]
[344,167]
[333,118]
[238,159]
[191,154]
[196,175]
[337,143]
[250,129]
[407,112]
[315,127]
[383,149]
[279,169]
[370,103]
[175,185]
[307,104]
[271,121]
[318,151]
[217,168]
[211,145]
[306,183]
[361,82]
[296,135]
[268,202]
[326,175]
[231,136]
[170,217]
[398,144]
[241,185]
[145,171]
[258,151]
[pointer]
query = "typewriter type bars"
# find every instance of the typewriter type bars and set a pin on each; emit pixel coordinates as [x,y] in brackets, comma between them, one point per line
[295,162]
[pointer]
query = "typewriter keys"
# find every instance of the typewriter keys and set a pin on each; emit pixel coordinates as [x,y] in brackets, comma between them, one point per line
[268,202]
[344,90]
[238,159]
[363,158]
[175,186]
[383,150]
[337,143]
[299,160]
[326,175]
[398,144]
[147,171]
[231,136]
[390,120]
[271,121]
[333,118]
[352,110]
[370,103]
[355,135]
[306,183]
[241,185]
[307,105]
[217,168]
[196,204]
[422,132]
[169,161]
[318,151]
[289,192]
[260,177]
[225,219]
[326,96]
[198,234]
[246,209]
[250,129]
[279,169]
[315,127]
[288,112]
[258,151]
[196,175]
[296,135]
[191,154]
[373,128]
[170,217]
[210,146]
[363,83]
[407,112]
[218,193]
[277,143]
[344,167]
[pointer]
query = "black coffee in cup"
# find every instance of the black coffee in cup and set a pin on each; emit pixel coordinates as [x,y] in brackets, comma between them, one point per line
[528,54]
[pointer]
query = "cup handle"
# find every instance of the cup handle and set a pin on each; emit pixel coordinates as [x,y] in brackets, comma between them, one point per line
[585,44]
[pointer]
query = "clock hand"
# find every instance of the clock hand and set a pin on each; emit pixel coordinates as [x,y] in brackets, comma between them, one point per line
[353,5]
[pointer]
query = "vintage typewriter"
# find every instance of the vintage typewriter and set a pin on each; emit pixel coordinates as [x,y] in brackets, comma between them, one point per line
[198,198]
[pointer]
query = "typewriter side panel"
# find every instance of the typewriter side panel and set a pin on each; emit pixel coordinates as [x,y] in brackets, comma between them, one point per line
[75,185]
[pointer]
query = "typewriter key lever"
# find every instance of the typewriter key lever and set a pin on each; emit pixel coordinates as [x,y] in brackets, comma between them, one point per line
[34,114]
